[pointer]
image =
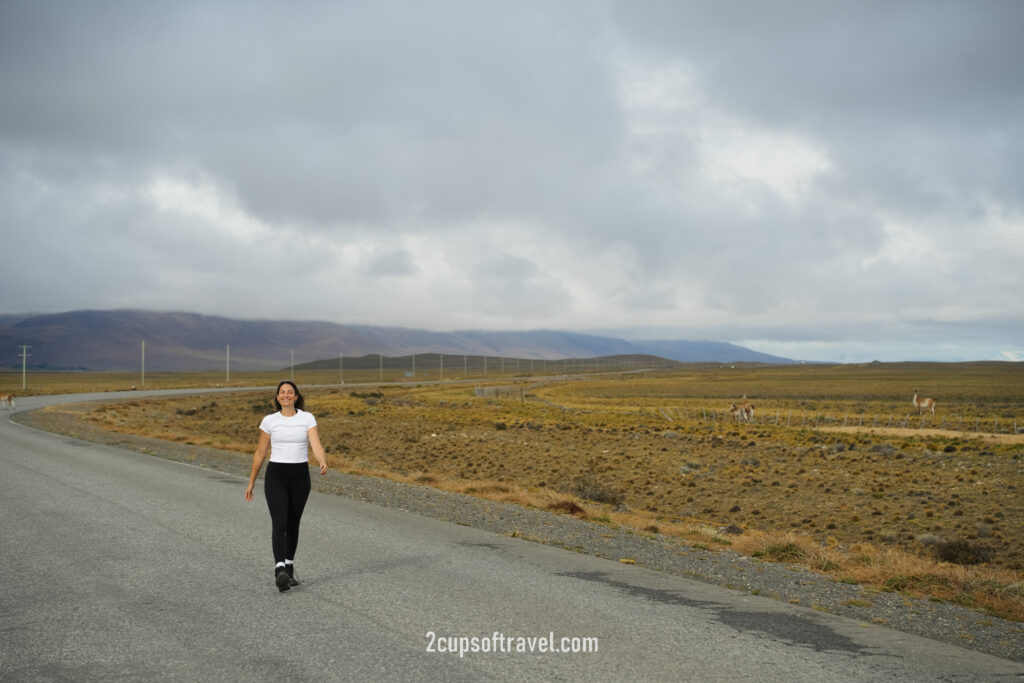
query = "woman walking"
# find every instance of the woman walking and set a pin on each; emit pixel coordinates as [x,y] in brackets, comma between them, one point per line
[288,434]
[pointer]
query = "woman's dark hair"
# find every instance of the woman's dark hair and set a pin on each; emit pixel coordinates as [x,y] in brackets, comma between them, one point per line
[300,402]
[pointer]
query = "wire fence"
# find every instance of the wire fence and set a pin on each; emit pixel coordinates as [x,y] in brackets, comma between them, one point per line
[449,365]
[345,369]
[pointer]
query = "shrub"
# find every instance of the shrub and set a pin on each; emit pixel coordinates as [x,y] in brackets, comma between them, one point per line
[782,552]
[567,506]
[962,551]
[588,487]
[898,583]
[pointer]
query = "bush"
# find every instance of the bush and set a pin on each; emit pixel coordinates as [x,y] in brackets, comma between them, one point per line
[783,552]
[589,487]
[368,394]
[567,506]
[962,551]
[899,583]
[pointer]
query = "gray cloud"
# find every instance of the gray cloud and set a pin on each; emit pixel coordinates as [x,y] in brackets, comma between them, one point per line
[836,178]
[395,262]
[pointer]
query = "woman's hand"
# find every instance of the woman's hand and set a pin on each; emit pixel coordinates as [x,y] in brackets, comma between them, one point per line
[257,461]
[318,449]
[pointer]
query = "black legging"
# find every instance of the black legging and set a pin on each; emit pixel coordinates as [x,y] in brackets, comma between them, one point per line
[286,488]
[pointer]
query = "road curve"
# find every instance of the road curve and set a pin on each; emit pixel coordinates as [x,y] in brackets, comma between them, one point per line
[118,565]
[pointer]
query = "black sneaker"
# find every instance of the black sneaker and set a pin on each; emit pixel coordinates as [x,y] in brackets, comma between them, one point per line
[281,578]
[292,581]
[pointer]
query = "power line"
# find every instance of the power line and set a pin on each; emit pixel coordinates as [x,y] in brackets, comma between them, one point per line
[24,357]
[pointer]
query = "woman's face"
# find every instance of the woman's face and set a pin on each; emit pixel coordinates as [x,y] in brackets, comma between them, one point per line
[286,395]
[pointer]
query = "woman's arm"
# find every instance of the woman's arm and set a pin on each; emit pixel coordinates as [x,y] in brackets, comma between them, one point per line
[257,461]
[318,449]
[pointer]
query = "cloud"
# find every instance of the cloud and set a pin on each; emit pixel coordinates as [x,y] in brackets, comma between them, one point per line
[390,263]
[826,179]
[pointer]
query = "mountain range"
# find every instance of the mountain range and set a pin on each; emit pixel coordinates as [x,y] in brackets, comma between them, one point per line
[114,340]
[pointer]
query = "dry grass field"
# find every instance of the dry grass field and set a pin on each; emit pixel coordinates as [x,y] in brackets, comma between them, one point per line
[831,474]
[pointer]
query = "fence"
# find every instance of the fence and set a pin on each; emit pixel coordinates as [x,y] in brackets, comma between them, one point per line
[370,368]
[505,392]
[441,365]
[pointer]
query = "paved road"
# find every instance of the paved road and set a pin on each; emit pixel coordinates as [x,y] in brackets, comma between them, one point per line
[118,565]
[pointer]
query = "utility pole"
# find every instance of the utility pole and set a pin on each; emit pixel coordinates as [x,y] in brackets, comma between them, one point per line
[293,365]
[227,378]
[143,383]
[341,368]
[381,355]
[24,357]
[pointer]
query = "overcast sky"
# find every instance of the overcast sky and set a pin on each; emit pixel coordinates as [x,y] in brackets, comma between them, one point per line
[836,181]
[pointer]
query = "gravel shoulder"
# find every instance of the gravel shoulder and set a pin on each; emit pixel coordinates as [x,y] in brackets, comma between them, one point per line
[938,621]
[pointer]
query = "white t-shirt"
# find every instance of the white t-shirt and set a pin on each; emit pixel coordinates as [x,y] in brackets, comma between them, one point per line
[289,436]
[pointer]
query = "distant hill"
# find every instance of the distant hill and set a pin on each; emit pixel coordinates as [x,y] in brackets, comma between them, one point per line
[704,352]
[112,340]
